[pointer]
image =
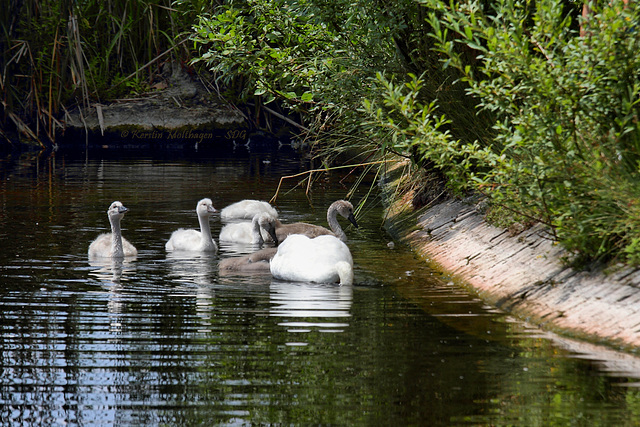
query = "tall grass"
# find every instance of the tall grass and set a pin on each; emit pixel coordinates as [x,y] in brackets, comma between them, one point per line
[55,54]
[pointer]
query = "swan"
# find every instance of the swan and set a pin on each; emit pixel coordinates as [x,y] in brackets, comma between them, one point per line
[194,240]
[246,209]
[257,262]
[322,259]
[341,207]
[113,245]
[249,232]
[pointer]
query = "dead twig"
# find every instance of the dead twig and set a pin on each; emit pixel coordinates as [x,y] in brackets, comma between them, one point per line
[312,171]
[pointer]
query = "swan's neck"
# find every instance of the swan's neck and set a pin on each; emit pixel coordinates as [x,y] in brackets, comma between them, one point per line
[332,219]
[116,238]
[256,234]
[205,232]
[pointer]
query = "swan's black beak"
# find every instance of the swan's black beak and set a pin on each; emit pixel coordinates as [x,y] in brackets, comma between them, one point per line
[274,236]
[122,209]
[352,220]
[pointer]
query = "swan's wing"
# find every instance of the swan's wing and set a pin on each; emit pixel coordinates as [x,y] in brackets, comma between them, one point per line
[129,249]
[184,240]
[101,246]
[300,258]
[331,250]
[247,209]
[239,232]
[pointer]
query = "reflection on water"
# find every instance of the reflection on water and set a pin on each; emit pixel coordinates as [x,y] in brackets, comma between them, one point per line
[191,268]
[166,340]
[112,271]
[320,303]
[310,299]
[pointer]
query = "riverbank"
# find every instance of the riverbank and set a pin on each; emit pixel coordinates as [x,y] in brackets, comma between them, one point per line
[179,111]
[523,272]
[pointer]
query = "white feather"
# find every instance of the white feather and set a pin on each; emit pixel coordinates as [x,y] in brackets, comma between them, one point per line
[194,240]
[322,259]
[247,209]
[113,245]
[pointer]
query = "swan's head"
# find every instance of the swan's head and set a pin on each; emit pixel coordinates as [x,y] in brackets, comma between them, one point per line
[345,209]
[205,208]
[268,223]
[116,210]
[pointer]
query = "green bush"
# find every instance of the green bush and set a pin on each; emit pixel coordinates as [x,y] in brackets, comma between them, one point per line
[511,101]
[566,148]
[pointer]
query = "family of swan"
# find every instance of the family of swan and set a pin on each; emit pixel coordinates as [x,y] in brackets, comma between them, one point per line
[303,253]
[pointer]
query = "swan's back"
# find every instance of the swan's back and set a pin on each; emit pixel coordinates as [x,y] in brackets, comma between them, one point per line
[310,230]
[102,247]
[184,240]
[237,232]
[341,207]
[193,240]
[249,232]
[323,259]
[247,209]
[257,262]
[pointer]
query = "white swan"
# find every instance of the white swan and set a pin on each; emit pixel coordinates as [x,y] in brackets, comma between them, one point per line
[194,240]
[341,207]
[257,262]
[113,245]
[247,209]
[322,259]
[249,232]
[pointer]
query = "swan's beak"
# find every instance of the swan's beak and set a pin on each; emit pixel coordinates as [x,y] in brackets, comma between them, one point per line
[211,209]
[272,233]
[352,220]
[122,209]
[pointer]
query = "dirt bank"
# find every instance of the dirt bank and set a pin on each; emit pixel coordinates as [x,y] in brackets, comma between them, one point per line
[524,274]
[179,110]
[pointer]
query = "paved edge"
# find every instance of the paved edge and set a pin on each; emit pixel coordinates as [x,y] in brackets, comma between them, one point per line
[524,274]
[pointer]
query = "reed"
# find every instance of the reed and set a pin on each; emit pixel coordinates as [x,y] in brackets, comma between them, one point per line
[56,54]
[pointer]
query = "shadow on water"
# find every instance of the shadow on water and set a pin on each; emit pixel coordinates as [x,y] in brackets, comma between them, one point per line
[166,339]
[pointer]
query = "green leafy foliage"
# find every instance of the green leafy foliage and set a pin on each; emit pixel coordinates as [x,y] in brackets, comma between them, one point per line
[566,146]
[313,58]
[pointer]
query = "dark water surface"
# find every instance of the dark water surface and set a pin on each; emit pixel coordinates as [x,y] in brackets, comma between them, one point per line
[167,340]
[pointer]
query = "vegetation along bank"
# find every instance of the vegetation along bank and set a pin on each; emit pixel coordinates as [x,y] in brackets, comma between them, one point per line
[530,106]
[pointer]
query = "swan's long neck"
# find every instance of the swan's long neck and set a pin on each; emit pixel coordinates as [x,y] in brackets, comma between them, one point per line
[116,238]
[205,232]
[256,235]
[332,219]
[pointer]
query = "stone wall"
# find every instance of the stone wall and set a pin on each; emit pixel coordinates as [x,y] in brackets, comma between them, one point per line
[524,273]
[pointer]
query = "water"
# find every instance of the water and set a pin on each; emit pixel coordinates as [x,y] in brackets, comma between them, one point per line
[167,340]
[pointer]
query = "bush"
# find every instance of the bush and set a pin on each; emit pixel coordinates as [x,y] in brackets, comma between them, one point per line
[566,149]
[523,109]
[312,58]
